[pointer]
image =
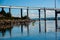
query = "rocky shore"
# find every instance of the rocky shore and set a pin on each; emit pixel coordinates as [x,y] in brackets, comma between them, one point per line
[3,22]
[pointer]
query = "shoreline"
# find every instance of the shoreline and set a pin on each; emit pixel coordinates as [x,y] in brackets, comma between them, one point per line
[3,22]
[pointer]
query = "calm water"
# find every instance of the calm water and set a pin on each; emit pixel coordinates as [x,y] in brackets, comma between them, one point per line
[32,31]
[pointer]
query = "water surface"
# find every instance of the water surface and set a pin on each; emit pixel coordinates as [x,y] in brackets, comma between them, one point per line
[32,31]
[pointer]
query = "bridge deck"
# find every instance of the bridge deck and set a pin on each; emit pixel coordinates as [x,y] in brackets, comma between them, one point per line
[31,8]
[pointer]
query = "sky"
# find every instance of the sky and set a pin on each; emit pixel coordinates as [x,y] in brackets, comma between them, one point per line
[31,3]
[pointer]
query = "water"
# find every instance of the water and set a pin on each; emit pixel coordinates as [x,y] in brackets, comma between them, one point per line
[32,31]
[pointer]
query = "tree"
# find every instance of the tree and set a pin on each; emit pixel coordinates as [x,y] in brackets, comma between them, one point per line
[8,15]
[25,17]
[3,12]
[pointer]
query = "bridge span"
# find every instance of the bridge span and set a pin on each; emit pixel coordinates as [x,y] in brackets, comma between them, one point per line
[57,11]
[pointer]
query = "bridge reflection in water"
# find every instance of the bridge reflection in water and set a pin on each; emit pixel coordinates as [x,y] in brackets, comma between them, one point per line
[9,27]
[29,28]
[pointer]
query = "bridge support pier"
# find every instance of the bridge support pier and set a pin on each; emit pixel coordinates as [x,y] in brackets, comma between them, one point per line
[27,12]
[39,21]
[9,10]
[2,9]
[39,14]
[21,13]
[45,18]
[56,20]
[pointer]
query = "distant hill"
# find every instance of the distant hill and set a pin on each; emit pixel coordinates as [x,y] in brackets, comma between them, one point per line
[51,18]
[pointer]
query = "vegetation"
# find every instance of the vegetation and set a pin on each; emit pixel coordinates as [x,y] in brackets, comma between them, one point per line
[3,13]
[25,17]
[9,15]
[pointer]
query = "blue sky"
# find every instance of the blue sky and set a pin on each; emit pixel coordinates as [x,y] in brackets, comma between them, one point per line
[30,3]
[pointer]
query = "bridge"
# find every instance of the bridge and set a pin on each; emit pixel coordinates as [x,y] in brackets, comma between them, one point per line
[57,11]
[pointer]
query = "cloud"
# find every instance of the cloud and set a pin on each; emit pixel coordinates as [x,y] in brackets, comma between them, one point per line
[50,13]
[24,11]
[33,16]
